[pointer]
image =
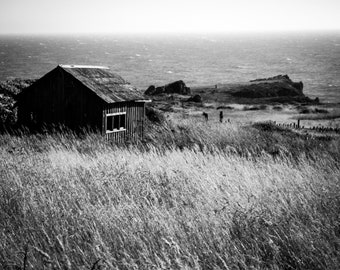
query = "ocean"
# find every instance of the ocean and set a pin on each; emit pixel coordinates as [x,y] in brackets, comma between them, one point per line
[143,60]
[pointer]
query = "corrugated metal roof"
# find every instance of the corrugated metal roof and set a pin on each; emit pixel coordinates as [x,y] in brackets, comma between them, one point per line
[109,86]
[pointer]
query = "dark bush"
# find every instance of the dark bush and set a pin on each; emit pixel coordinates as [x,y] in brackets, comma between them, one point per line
[154,115]
[277,108]
[224,108]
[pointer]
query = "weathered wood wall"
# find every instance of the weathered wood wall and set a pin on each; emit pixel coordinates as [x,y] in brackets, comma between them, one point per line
[58,98]
[135,112]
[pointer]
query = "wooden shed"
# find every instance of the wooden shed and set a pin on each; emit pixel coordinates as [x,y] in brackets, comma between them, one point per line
[84,97]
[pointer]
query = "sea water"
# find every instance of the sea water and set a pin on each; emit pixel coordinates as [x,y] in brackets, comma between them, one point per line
[144,60]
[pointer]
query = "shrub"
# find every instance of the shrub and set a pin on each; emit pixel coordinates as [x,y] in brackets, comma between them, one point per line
[277,108]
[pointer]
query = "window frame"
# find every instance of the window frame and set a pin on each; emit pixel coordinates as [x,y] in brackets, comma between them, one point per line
[113,115]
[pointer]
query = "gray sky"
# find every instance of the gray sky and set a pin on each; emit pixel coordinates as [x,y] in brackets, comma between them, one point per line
[131,16]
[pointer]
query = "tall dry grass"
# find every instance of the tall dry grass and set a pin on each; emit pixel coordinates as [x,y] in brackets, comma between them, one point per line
[193,196]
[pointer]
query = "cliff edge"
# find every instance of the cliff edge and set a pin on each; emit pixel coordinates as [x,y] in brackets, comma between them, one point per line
[277,86]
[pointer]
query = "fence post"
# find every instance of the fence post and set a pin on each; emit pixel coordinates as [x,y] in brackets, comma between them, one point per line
[221,116]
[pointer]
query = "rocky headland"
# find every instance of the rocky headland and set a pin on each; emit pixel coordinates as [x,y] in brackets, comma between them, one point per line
[277,89]
[177,87]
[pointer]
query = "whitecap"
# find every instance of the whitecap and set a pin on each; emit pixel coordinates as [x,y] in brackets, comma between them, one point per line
[150,60]
[169,72]
[138,55]
[288,59]
[243,67]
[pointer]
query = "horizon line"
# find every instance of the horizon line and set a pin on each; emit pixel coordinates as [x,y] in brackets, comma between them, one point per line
[276,31]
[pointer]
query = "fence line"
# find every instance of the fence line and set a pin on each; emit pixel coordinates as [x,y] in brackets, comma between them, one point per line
[312,128]
[292,125]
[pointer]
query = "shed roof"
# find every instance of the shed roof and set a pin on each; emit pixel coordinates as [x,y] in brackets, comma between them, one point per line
[109,86]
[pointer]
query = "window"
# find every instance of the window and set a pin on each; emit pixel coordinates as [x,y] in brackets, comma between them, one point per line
[115,122]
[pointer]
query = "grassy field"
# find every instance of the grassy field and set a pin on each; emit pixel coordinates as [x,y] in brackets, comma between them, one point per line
[193,196]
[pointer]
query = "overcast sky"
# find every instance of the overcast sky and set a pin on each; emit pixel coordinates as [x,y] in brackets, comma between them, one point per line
[130,16]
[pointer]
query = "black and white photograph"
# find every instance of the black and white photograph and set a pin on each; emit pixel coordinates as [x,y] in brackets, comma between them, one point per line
[168,134]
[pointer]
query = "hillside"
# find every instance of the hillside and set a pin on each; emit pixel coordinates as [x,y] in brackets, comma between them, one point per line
[196,196]
[8,90]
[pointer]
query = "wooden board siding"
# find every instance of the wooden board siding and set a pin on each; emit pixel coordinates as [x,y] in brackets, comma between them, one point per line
[74,98]
[134,121]
[58,98]
[82,108]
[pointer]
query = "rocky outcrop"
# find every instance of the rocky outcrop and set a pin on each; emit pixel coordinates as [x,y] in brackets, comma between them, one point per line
[278,86]
[177,87]
[150,91]
[195,98]
[278,77]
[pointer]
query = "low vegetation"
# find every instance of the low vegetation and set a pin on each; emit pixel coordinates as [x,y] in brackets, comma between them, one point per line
[320,116]
[305,110]
[193,195]
[277,108]
[8,90]
[255,108]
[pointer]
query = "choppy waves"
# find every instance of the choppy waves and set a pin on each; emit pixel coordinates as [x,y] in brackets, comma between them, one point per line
[312,58]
